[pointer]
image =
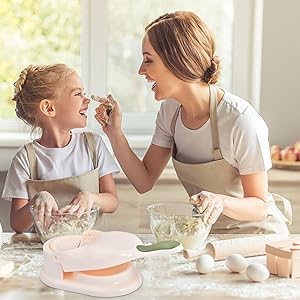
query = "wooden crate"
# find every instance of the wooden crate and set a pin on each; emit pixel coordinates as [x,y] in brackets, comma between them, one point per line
[283,258]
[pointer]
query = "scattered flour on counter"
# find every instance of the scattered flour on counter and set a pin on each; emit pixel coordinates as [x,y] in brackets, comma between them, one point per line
[163,276]
[28,258]
[177,276]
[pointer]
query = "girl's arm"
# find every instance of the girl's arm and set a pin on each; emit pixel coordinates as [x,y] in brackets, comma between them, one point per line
[20,217]
[107,199]
[43,205]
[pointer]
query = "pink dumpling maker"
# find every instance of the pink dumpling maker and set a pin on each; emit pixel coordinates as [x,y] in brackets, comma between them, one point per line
[97,263]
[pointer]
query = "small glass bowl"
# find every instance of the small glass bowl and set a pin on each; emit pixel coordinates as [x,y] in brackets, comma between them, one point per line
[63,223]
[180,222]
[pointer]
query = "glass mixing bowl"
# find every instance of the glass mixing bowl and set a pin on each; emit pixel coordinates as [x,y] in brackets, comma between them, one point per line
[180,222]
[63,223]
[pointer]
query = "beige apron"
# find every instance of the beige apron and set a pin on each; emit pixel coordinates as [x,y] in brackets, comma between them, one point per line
[64,189]
[219,177]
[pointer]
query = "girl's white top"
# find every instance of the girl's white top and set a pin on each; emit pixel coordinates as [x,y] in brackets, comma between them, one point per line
[54,163]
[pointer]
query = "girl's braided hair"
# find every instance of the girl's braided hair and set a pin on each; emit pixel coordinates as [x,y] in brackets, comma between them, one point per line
[35,83]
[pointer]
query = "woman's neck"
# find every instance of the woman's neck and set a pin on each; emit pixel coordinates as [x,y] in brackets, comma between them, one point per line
[195,104]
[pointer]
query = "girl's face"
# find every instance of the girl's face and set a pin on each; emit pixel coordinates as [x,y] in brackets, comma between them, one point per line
[71,108]
[164,83]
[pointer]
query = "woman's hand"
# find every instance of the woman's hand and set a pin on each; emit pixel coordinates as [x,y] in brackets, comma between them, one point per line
[80,204]
[210,204]
[43,205]
[114,124]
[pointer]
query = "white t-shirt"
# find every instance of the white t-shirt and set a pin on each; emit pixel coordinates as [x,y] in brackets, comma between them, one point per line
[243,136]
[54,163]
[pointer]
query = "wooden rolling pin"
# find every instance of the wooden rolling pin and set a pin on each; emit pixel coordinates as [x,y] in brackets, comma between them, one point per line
[246,246]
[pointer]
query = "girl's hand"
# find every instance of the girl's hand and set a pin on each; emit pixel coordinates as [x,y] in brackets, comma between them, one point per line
[44,205]
[80,204]
[210,204]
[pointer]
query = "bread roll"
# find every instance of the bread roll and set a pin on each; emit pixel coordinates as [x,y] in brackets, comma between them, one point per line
[275,152]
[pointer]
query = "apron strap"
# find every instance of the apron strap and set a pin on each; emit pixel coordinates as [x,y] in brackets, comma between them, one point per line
[32,161]
[92,147]
[214,122]
[173,122]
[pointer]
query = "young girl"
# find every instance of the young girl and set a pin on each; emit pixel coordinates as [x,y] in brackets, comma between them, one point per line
[62,170]
[218,142]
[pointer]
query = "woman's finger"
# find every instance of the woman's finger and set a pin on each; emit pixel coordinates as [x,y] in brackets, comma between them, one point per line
[214,216]
[103,124]
[80,211]
[208,210]
[195,200]
[65,208]
[204,203]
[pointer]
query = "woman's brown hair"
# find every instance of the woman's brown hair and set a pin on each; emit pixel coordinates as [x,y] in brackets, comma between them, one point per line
[185,45]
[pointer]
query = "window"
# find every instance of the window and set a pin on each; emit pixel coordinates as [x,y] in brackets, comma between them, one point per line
[102,40]
[122,23]
[35,32]
[126,22]
[113,60]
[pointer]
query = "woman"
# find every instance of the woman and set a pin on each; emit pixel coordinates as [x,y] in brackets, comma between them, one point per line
[218,142]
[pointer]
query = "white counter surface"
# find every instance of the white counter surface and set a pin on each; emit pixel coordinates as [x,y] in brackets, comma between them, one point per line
[165,277]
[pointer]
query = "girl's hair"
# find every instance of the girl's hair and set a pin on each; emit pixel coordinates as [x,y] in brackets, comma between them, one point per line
[35,83]
[185,45]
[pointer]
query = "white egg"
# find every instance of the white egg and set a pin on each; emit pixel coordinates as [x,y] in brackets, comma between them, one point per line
[205,264]
[236,263]
[257,272]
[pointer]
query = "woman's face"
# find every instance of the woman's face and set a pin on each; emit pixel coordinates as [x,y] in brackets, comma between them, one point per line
[164,83]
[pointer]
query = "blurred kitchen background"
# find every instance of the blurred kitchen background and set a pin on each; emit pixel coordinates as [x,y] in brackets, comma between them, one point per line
[257,41]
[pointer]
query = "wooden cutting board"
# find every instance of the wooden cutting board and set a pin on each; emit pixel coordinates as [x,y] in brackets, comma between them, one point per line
[288,165]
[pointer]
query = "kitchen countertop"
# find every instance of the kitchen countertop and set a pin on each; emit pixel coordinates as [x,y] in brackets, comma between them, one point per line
[164,277]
